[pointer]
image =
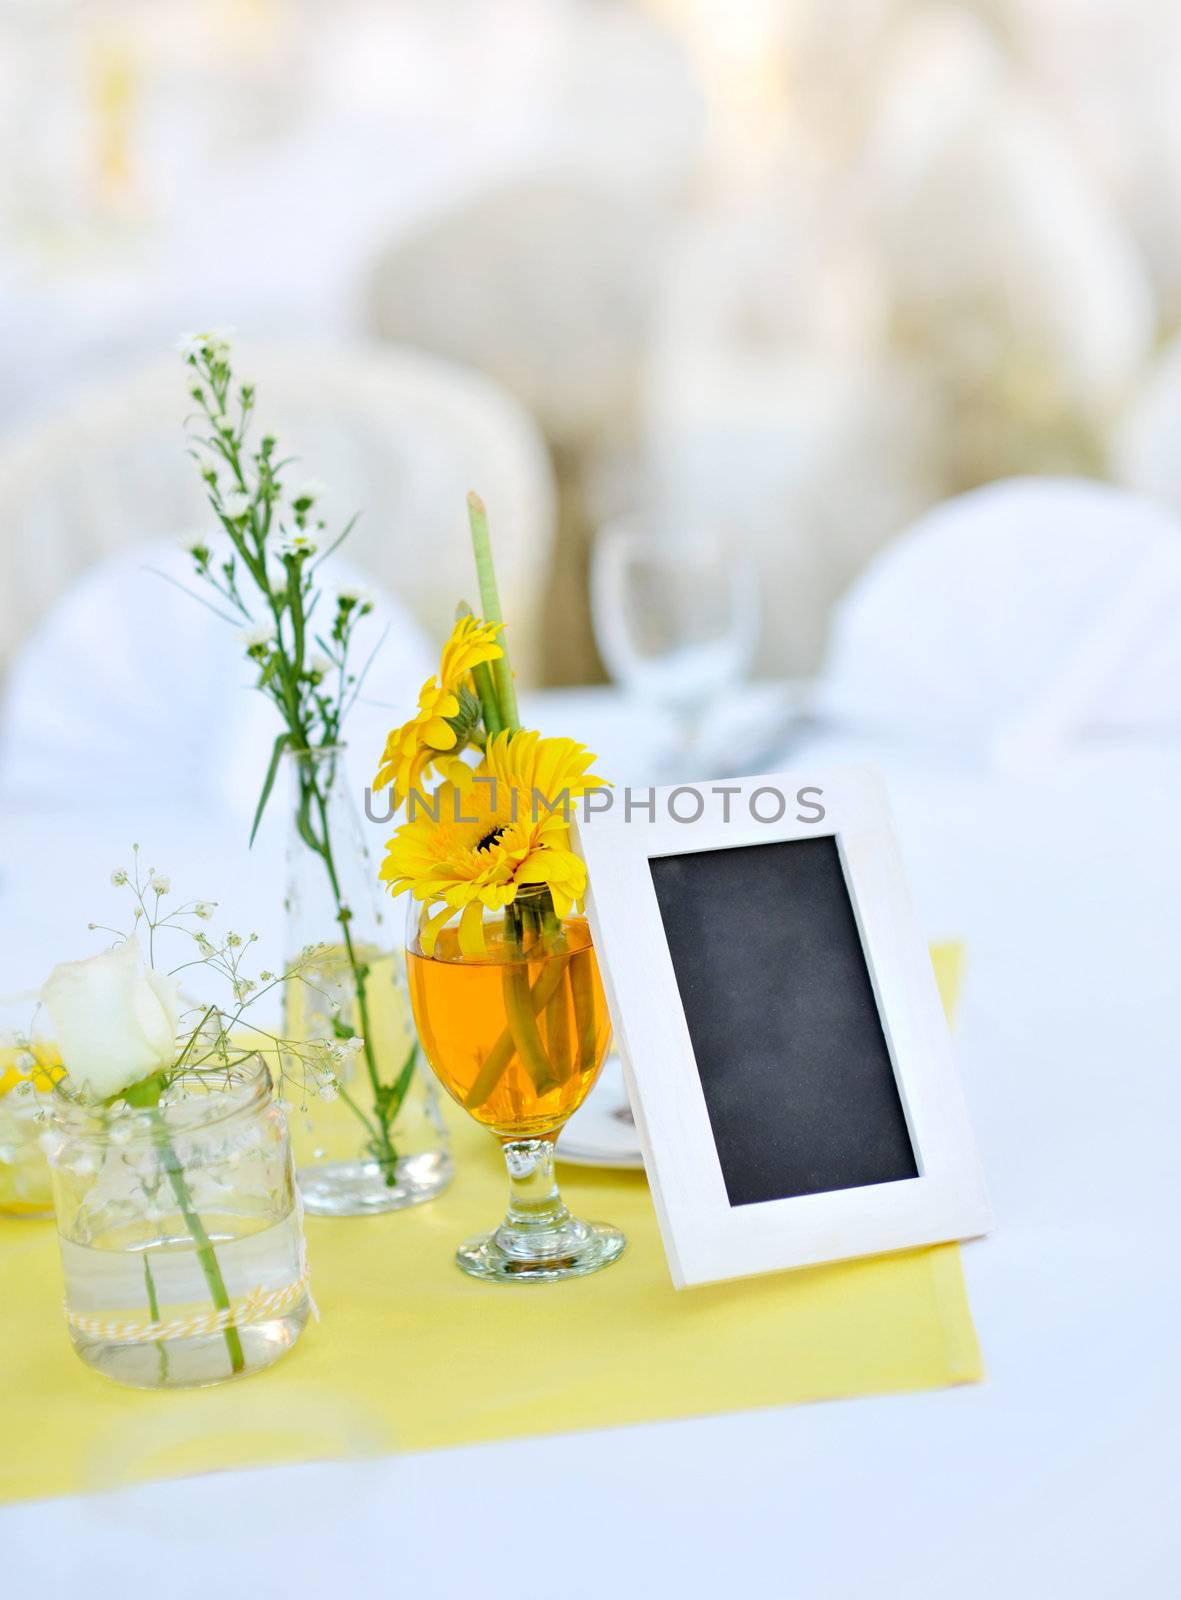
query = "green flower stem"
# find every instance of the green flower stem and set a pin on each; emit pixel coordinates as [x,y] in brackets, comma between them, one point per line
[384,1108]
[312,709]
[502,672]
[357,1110]
[582,988]
[557,1022]
[489,705]
[154,1313]
[557,1016]
[527,1040]
[485,689]
[206,1254]
[518,1004]
[497,1060]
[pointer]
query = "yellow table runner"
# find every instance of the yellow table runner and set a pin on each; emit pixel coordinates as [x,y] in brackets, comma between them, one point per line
[411,1355]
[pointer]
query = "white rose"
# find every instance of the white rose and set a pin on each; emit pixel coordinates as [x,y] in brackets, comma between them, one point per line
[114,1018]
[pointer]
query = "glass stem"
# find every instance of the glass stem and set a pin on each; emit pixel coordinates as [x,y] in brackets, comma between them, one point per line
[535,1207]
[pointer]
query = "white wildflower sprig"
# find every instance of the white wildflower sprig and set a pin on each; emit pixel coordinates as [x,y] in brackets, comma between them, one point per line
[215,343]
[212,1037]
[237,505]
[304,497]
[278,542]
[267,583]
[297,544]
[258,639]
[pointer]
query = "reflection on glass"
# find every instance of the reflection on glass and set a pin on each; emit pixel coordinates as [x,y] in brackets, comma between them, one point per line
[676,620]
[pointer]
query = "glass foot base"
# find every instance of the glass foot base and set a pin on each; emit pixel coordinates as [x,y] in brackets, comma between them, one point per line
[511,1256]
[360,1189]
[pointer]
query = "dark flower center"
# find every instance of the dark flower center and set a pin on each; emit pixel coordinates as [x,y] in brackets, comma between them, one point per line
[489,839]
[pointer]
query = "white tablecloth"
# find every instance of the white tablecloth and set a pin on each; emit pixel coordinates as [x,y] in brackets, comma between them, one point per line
[1055,1476]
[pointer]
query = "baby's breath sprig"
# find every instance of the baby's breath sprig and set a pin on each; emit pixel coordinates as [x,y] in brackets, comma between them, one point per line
[203,1039]
[213,1037]
[300,642]
[149,887]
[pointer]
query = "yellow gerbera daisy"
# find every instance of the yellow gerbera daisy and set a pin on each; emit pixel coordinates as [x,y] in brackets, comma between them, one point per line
[411,749]
[494,831]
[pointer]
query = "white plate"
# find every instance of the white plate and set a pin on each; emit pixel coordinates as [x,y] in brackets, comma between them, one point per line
[601,1132]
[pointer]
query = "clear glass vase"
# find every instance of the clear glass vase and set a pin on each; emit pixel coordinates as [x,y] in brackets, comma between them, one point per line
[517,1035]
[180,1230]
[28,1071]
[380,1143]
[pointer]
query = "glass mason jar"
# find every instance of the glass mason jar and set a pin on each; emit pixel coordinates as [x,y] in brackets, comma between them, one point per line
[180,1230]
[380,1143]
[517,1035]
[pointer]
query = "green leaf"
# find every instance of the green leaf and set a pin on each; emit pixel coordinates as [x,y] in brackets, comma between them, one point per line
[146,1092]
[323,555]
[397,1090]
[464,722]
[268,782]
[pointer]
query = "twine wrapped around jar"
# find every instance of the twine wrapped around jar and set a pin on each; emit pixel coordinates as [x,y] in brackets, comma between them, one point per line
[257,1306]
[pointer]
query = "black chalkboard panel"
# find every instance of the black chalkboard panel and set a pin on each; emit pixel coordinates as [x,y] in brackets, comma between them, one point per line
[781,1012]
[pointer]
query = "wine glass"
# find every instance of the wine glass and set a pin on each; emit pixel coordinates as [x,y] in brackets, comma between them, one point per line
[517,1035]
[675,613]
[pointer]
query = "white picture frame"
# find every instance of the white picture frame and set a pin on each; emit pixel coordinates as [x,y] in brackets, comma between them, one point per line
[706,1238]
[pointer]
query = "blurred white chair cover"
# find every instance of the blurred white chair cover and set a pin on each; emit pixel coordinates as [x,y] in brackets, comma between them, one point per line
[131,695]
[400,435]
[1017,619]
[543,274]
[1014,280]
[558,307]
[1147,457]
[766,379]
[546,282]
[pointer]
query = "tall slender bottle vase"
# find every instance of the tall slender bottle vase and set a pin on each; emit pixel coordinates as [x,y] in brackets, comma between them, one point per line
[378,1143]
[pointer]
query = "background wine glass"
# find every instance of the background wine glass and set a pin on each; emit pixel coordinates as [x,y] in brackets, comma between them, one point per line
[676,620]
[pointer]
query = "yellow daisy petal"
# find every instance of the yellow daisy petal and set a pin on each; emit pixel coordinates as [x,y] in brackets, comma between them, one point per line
[482,842]
[471,930]
[430,928]
[410,749]
[438,734]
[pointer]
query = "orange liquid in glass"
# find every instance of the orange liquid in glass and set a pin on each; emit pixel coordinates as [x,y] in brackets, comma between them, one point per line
[517,1040]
